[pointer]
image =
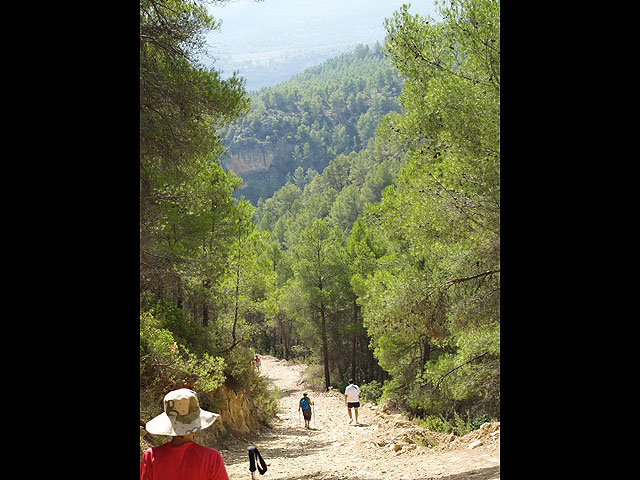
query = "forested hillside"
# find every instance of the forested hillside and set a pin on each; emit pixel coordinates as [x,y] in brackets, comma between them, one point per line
[295,128]
[197,243]
[377,257]
[412,269]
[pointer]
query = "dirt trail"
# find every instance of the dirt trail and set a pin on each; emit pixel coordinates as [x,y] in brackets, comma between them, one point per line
[383,446]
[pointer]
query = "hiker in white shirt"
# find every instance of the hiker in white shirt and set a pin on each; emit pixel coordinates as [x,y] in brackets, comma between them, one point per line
[352,399]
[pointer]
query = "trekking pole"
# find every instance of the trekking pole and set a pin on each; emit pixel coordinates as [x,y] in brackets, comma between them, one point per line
[253,453]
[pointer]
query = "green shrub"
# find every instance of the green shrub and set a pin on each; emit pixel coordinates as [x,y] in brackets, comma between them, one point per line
[268,402]
[314,376]
[477,421]
[371,391]
[457,424]
[340,386]
[391,391]
[460,426]
[434,423]
[166,365]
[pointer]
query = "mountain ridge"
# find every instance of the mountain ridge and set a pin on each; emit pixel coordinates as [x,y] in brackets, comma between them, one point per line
[303,123]
[268,42]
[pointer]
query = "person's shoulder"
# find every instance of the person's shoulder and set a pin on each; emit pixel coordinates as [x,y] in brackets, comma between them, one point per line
[210,455]
[204,448]
[208,451]
[157,448]
[151,452]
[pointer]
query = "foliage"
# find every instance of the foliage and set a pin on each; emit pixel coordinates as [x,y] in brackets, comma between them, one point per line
[432,305]
[457,425]
[433,422]
[338,195]
[248,286]
[328,110]
[183,190]
[170,317]
[417,269]
[371,391]
[314,376]
[205,282]
[379,257]
[269,401]
[166,365]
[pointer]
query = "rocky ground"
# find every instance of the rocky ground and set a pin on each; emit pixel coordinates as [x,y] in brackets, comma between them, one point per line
[383,446]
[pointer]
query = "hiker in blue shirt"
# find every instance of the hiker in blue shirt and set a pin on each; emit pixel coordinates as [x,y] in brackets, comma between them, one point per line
[305,406]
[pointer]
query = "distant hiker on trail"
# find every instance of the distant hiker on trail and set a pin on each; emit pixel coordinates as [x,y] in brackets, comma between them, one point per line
[305,405]
[181,457]
[352,399]
[256,360]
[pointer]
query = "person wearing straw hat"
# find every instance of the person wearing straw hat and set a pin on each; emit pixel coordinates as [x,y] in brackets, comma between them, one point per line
[182,458]
[305,404]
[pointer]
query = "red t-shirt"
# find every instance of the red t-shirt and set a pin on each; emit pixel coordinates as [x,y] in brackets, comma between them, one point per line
[189,461]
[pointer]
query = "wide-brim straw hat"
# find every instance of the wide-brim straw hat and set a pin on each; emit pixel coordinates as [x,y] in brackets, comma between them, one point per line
[182,415]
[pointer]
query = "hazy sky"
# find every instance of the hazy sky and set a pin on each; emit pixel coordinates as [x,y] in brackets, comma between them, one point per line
[280,31]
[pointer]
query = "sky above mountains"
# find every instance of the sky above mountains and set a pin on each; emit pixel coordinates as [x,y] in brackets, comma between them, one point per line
[267,42]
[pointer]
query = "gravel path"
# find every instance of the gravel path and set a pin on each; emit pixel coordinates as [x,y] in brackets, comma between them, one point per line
[383,446]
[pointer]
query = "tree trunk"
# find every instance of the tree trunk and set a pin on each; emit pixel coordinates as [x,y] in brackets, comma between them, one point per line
[205,304]
[426,352]
[285,341]
[180,298]
[354,339]
[325,349]
[235,315]
[290,336]
[205,314]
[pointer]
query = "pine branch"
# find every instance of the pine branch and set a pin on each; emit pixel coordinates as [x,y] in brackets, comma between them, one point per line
[454,369]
